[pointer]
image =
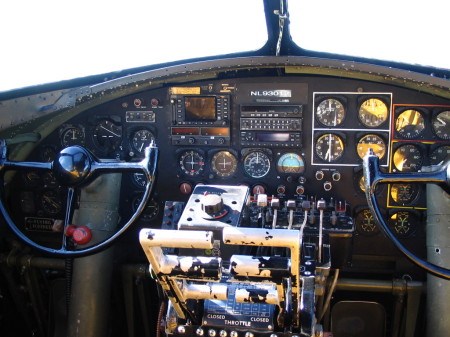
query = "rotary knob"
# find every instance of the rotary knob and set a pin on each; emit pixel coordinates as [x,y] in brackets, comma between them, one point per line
[212,204]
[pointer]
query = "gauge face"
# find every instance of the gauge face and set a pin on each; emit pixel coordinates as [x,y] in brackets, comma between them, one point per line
[141,139]
[224,163]
[374,142]
[291,163]
[139,179]
[72,135]
[373,112]
[330,112]
[365,223]
[404,194]
[403,223]
[407,158]
[440,155]
[329,147]
[410,123]
[256,164]
[150,211]
[441,125]
[51,202]
[107,135]
[192,163]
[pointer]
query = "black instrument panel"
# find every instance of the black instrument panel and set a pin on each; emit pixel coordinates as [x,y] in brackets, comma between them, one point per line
[287,137]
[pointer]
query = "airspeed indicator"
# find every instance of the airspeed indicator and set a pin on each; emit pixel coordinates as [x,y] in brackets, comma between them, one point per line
[256,164]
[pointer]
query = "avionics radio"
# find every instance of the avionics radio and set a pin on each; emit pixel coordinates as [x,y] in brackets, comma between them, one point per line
[200,119]
[271,125]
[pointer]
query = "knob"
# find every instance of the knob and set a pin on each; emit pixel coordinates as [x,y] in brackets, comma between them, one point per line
[191,140]
[212,204]
[327,186]
[258,189]
[336,176]
[80,234]
[137,102]
[281,189]
[185,188]
[289,179]
[154,101]
[221,141]
[301,180]
[319,175]
[300,189]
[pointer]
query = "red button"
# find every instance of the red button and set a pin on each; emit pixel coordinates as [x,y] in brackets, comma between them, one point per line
[82,235]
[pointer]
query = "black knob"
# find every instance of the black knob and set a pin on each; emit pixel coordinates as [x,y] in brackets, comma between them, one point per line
[191,140]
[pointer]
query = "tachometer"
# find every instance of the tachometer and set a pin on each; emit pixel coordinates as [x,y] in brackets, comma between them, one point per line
[440,155]
[330,112]
[223,163]
[407,158]
[141,139]
[192,163]
[291,163]
[410,123]
[107,135]
[373,112]
[256,164]
[441,125]
[329,147]
[371,141]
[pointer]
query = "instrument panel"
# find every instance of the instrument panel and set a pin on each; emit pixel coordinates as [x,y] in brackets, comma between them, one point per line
[291,138]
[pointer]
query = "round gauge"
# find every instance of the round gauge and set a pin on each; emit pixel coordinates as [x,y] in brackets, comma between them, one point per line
[107,135]
[371,141]
[404,194]
[150,211]
[410,123]
[407,158]
[441,125]
[51,202]
[365,223]
[48,153]
[141,139]
[192,163]
[403,223]
[440,155]
[329,147]
[373,112]
[291,163]
[139,179]
[224,163]
[330,112]
[256,164]
[72,135]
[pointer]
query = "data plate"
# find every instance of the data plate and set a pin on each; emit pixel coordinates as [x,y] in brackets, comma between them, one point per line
[229,313]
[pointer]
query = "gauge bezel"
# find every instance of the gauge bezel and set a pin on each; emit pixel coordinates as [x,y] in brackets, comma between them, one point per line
[183,170]
[433,120]
[267,163]
[358,225]
[301,161]
[409,135]
[65,128]
[362,100]
[132,132]
[321,135]
[434,149]
[411,201]
[234,164]
[108,146]
[360,138]
[394,167]
[414,225]
[320,119]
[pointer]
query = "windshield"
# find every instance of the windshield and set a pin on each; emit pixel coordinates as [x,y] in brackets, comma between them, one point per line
[47,41]
[388,30]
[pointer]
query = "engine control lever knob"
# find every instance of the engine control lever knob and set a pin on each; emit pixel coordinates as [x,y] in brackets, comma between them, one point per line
[212,204]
